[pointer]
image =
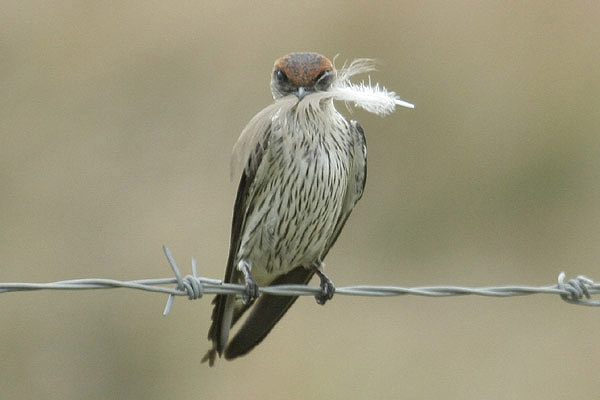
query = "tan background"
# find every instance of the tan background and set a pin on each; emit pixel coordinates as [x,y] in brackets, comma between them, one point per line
[117,120]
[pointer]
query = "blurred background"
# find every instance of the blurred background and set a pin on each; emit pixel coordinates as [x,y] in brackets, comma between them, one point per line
[117,121]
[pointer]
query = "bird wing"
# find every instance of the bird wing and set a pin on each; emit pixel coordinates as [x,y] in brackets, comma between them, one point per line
[356,181]
[269,309]
[224,313]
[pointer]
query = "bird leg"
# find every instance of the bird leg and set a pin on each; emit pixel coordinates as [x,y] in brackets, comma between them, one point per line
[251,292]
[327,286]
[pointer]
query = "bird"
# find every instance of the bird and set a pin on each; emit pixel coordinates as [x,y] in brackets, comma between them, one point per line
[303,169]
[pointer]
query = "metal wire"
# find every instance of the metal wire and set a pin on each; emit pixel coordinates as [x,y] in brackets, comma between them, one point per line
[578,290]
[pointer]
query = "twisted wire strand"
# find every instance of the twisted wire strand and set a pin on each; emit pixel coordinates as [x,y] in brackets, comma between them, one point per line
[577,290]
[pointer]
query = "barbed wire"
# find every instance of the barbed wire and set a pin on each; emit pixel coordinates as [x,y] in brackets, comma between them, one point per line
[578,290]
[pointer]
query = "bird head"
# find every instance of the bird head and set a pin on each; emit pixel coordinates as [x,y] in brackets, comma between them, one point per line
[300,74]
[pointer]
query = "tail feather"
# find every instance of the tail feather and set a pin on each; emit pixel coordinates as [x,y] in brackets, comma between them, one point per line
[267,311]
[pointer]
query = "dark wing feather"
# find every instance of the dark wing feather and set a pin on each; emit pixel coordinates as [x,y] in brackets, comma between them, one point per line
[220,300]
[219,328]
[269,309]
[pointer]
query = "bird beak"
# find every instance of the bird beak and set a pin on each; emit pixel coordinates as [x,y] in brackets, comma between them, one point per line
[301,92]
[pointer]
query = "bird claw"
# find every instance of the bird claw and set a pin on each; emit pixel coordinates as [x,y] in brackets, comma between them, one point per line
[327,290]
[251,291]
[327,286]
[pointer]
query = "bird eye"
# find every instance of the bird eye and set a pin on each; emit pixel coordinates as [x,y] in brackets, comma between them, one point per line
[323,78]
[281,76]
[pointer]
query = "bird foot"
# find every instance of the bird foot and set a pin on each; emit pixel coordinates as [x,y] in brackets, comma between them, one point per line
[251,291]
[327,286]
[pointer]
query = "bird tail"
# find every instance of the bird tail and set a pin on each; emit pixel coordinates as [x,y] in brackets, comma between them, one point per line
[265,314]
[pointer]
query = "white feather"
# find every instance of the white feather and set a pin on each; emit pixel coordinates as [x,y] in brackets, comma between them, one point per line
[374,99]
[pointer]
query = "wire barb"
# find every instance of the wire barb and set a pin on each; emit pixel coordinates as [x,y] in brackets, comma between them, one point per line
[578,290]
[190,284]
